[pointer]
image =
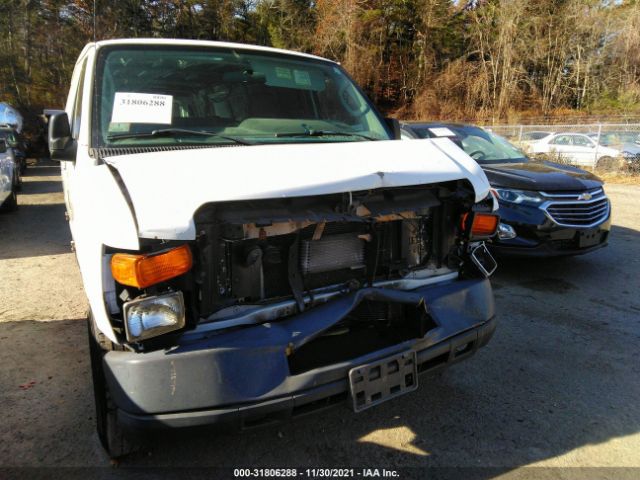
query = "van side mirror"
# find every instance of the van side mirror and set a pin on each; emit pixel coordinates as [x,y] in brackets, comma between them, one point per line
[3,146]
[61,145]
[394,126]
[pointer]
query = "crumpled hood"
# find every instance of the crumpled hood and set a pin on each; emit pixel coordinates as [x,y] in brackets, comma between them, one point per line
[166,188]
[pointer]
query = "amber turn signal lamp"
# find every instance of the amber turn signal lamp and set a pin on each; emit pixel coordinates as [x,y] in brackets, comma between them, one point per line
[142,271]
[484,225]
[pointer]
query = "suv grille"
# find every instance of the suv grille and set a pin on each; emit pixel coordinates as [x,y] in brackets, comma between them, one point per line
[574,210]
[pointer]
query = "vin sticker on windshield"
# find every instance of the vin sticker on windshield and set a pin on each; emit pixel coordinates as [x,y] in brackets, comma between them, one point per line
[442,132]
[282,72]
[302,77]
[131,107]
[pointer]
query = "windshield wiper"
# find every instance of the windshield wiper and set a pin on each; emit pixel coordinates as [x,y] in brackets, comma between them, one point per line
[173,132]
[323,133]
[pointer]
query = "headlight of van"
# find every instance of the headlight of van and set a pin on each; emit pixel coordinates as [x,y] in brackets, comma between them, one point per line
[152,316]
[518,196]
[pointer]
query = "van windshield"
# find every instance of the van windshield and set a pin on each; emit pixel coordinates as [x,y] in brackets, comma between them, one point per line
[166,95]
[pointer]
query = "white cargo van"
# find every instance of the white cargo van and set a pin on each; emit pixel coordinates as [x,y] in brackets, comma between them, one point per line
[254,241]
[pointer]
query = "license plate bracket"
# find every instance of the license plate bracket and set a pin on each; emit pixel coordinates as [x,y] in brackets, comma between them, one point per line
[483,259]
[382,380]
[588,238]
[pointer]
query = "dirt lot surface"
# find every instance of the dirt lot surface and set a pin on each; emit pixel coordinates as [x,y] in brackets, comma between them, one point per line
[558,386]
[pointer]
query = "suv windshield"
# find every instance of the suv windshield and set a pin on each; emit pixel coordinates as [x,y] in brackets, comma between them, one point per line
[479,144]
[149,96]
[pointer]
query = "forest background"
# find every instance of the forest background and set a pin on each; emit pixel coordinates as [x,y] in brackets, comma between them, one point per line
[483,61]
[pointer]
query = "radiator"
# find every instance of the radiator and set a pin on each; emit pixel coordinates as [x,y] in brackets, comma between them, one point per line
[332,252]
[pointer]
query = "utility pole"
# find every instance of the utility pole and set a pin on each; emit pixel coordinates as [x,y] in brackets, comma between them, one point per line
[94,20]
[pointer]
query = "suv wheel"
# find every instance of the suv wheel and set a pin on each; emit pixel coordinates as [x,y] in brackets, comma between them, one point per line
[112,436]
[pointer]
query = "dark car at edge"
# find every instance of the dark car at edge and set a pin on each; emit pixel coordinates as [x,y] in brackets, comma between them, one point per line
[546,209]
[15,141]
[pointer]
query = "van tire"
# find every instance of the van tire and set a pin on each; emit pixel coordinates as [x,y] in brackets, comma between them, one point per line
[111,434]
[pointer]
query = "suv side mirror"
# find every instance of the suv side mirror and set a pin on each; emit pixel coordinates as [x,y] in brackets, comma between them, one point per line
[3,146]
[394,126]
[61,145]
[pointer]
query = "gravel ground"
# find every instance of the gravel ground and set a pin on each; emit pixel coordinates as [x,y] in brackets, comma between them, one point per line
[558,386]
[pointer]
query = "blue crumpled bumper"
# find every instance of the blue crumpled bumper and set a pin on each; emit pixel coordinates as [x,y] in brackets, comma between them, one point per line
[240,374]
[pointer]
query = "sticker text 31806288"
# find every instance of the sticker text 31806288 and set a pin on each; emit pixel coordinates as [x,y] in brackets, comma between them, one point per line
[129,107]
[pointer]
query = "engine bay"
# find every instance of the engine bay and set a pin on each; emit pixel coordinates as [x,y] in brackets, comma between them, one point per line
[261,252]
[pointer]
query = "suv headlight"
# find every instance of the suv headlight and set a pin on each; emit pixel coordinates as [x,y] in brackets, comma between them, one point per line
[152,316]
[518,196]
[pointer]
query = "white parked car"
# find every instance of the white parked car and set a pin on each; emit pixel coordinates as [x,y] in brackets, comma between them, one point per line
[254,242]
[525,140]
[627,142]
[534,136]
[577,148]
[8,179]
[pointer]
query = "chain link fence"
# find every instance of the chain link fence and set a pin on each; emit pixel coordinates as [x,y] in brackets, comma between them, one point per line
[602,146]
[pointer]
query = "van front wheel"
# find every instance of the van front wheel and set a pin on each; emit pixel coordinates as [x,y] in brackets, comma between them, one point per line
[111,435]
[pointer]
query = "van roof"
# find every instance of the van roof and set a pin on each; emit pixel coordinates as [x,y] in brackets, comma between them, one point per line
[201,43]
